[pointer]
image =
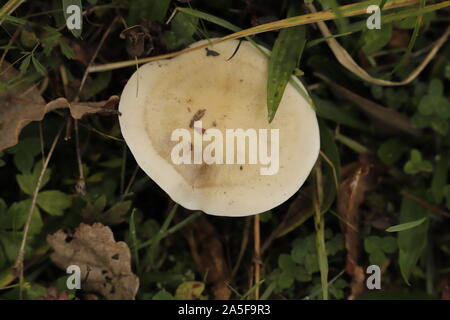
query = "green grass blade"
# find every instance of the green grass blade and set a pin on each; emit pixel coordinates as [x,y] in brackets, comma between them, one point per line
[210,18]
[134,240]
[319,225]
[412,41]
[407,225]
[285,56]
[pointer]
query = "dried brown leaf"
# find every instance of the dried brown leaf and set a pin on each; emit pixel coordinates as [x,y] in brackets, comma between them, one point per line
[358,180]
[19,107]
[105,264]
[207,251]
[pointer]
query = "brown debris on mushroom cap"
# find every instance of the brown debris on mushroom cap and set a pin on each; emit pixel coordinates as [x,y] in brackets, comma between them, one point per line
[233,94]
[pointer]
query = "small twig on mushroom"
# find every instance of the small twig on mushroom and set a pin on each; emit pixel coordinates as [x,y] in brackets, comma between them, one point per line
[18,267]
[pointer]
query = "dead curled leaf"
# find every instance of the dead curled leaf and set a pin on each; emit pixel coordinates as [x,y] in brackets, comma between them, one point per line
[19,107]
[105,264]
[359,178]
[207,251]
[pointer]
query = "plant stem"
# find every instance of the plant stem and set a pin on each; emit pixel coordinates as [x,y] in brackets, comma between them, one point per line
[18,267]
[257,243]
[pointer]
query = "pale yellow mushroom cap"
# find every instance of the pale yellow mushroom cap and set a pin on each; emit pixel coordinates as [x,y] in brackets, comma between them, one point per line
[222,94]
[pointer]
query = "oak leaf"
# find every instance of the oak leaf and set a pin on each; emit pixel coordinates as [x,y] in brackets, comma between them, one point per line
[104,263]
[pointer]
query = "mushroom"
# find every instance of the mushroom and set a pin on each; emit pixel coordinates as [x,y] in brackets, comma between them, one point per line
[198,125]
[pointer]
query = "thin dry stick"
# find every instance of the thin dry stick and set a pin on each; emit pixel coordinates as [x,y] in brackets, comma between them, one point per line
[347,61]
[18,267]
[243,247]
[81,185]
[41,138]
[97,50]
[9,8]
[130,183]
[257,242]
[434,209]
[11,41]
[347,11]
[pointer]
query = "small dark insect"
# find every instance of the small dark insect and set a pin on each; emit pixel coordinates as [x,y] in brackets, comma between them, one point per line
[211,53]
[197,116]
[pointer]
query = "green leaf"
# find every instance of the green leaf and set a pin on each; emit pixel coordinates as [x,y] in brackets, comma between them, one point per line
[54,202]
[16,217]
[440,125]
[66,4]
[299,251]
[184,25]
[391,151]
[28,181]
[50,39]
[330,111]
[436,88]
[153,10]
[38,66]
[100,83]
[372,244]
[332,171]
[311,263]
[162,295]
[190,290]
[412,241]
[377,257]
[183,28]
[301,274]
[447,195]
[439,179]
[25,64]
[377,38]
[66,49]
[285,56]
[447,71]
[265,216]
[416,164]
[389,244]
[335,244]
[23,161]
[116,213]
[286,264]
[406,225]
[285,280]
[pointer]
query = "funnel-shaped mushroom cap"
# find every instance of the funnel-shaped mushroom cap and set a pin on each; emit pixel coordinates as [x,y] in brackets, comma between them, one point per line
[181,119]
